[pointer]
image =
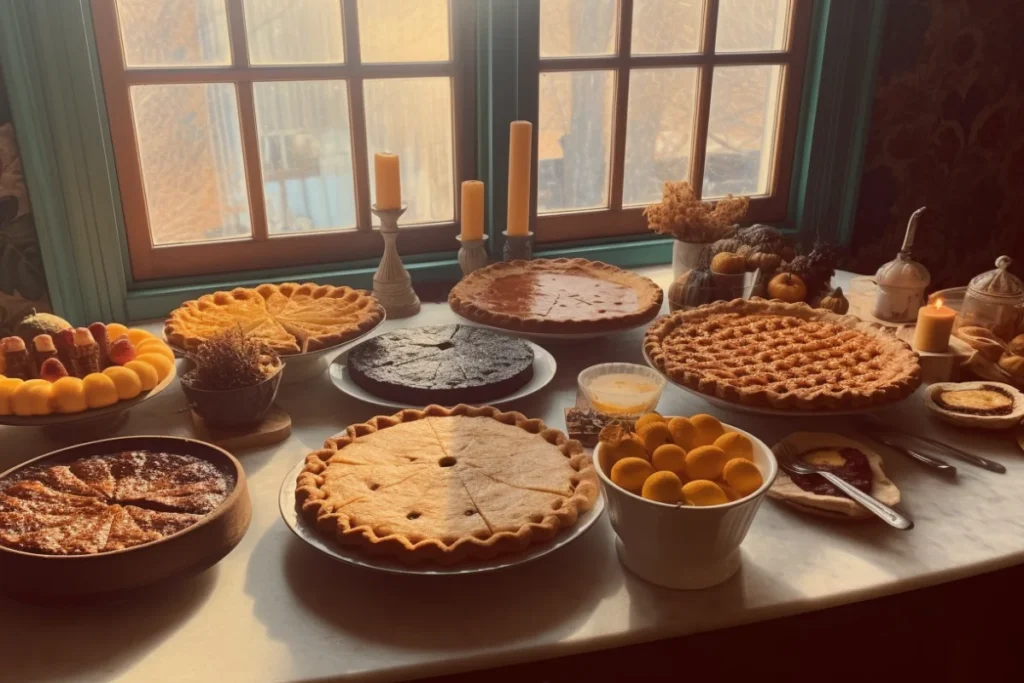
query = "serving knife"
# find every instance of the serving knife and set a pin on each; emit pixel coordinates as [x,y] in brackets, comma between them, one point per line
[875,427]
[931,461]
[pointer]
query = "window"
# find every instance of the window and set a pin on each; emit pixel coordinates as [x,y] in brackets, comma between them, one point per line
[631,93]
[244,130]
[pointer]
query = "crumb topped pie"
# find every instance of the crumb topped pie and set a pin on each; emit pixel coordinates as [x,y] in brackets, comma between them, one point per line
[783,356]
[556,296]
[290,318]
[446,485]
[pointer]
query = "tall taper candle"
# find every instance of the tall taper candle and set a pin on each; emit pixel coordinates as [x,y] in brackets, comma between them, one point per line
[520,153]
[389,182]
[472,210]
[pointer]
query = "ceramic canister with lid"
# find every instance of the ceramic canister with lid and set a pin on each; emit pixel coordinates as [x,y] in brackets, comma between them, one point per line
[994,300]
[901,282]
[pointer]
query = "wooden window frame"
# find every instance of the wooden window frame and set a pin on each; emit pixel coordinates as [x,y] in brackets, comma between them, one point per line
[262,250]
[615,220]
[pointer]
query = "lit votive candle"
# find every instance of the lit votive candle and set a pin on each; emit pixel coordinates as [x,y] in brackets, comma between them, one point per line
[388,181]
[934,325]
[472,210]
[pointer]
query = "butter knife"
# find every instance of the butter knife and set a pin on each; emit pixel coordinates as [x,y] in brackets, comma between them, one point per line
[933,462]
[873,426]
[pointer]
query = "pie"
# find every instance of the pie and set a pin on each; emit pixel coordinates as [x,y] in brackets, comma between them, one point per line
[110,502]
[290,318]
[848,459]
[985,405]
[784,356]
[556,296]
[446,364]
[446,485]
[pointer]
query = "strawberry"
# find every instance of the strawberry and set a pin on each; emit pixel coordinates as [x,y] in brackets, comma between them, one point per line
[121,350]
[52,370]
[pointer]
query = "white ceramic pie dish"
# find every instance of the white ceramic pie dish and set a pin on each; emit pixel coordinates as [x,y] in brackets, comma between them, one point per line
[975,421]
[680,546]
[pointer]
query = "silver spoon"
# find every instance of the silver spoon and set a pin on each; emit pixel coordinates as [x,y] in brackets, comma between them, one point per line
[789,461]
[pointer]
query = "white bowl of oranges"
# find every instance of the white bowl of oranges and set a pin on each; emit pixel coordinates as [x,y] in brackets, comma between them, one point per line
[682,493]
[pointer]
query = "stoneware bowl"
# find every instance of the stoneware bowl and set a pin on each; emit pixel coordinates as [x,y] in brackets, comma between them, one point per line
[59,578]
[236,407]
[680,546]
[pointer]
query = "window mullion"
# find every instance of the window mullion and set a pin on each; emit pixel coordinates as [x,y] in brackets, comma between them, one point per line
[621,106]
[357,115]
[700,124]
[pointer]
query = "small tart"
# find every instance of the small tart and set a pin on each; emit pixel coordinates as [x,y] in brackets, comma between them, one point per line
[446,485]
[290,318]
[782,356]
[983,405]
[820,447]
[556,296]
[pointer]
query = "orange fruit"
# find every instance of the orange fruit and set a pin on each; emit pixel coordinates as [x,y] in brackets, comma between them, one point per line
[683,432]
[126,382]
[32,398]
[8,385]
[705,462]
[155,346]
[736,445]
[743,475]
[160,363]
[670,458]
[707,430]
[135,335]
[654,434]
[631,473]
[148,375]
[702,492]
[115,330]
[664,487]
[647,419]
[99,390]
[69,395]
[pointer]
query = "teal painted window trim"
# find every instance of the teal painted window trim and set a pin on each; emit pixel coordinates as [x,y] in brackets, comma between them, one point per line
[48,56]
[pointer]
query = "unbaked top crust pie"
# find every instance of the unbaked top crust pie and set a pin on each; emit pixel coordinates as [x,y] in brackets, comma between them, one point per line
[446,485]
[783,356]
[290,318]
[556,296]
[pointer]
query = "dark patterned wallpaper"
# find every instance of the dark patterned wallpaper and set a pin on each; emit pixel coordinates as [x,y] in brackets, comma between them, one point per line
[947,132]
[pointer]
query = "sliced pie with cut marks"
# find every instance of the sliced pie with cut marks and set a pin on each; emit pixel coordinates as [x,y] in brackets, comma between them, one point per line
[446,484]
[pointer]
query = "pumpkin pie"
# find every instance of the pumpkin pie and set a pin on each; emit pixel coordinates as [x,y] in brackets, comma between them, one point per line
[556,296]
[290,318]
[104,503]
[446,485]
[783,356]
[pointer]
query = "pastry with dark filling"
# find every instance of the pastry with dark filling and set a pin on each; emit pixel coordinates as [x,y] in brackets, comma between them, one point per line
[986,405]
[848,459]
[444,364]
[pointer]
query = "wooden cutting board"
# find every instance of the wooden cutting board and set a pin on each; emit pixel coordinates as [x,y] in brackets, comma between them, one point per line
[276,427]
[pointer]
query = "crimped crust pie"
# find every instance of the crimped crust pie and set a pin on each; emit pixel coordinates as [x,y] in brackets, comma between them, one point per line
[558,296]
[446,484]
[290,318]
[785,356]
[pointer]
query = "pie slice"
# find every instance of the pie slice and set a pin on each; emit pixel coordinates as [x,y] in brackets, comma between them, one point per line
[476,482]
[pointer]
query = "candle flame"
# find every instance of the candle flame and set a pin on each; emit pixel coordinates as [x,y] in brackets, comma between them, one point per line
[938,304]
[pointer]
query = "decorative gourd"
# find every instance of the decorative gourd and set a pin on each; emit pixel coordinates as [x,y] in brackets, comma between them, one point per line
[763,260]
[787,287]
[835,301]
[729,244]
[728,263]
[693,288]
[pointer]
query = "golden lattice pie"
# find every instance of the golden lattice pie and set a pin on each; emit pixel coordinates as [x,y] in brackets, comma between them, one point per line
[446,484]
[558,296]
[290,318]
[786,356]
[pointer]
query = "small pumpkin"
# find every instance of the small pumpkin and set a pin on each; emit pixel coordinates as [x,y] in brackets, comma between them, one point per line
[787,287]
[729,244]
[835,301]
[693,288]
[763,260]
[728,263]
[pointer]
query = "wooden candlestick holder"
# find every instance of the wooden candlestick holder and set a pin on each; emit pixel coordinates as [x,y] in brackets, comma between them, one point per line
[518,247]
[392,285]
[472,254]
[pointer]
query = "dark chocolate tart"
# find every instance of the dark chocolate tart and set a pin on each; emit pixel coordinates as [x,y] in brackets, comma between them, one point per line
[444,364]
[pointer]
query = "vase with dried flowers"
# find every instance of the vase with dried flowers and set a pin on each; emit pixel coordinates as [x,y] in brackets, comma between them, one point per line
[232,380]
[694,224]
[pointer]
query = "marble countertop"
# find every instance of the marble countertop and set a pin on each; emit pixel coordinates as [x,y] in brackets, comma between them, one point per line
[276,610]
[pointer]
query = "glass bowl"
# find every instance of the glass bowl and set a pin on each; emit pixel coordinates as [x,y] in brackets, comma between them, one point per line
[621,388]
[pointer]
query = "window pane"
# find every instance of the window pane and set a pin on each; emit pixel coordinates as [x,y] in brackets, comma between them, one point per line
[190,150]
[574,139]
[752,25]
[659,131]
[403,30]
[174,32]
[294,32]
[306,155]
[741,130]
[577,28]
[412,117]
[663,27]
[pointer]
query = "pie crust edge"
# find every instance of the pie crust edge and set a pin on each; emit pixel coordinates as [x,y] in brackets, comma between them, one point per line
[649,294]
[175,330]
[898,352]
[310,497]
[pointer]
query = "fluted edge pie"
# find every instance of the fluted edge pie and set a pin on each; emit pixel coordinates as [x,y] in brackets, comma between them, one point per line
[783,356]
[290,318]
[556,296]
[446,485]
